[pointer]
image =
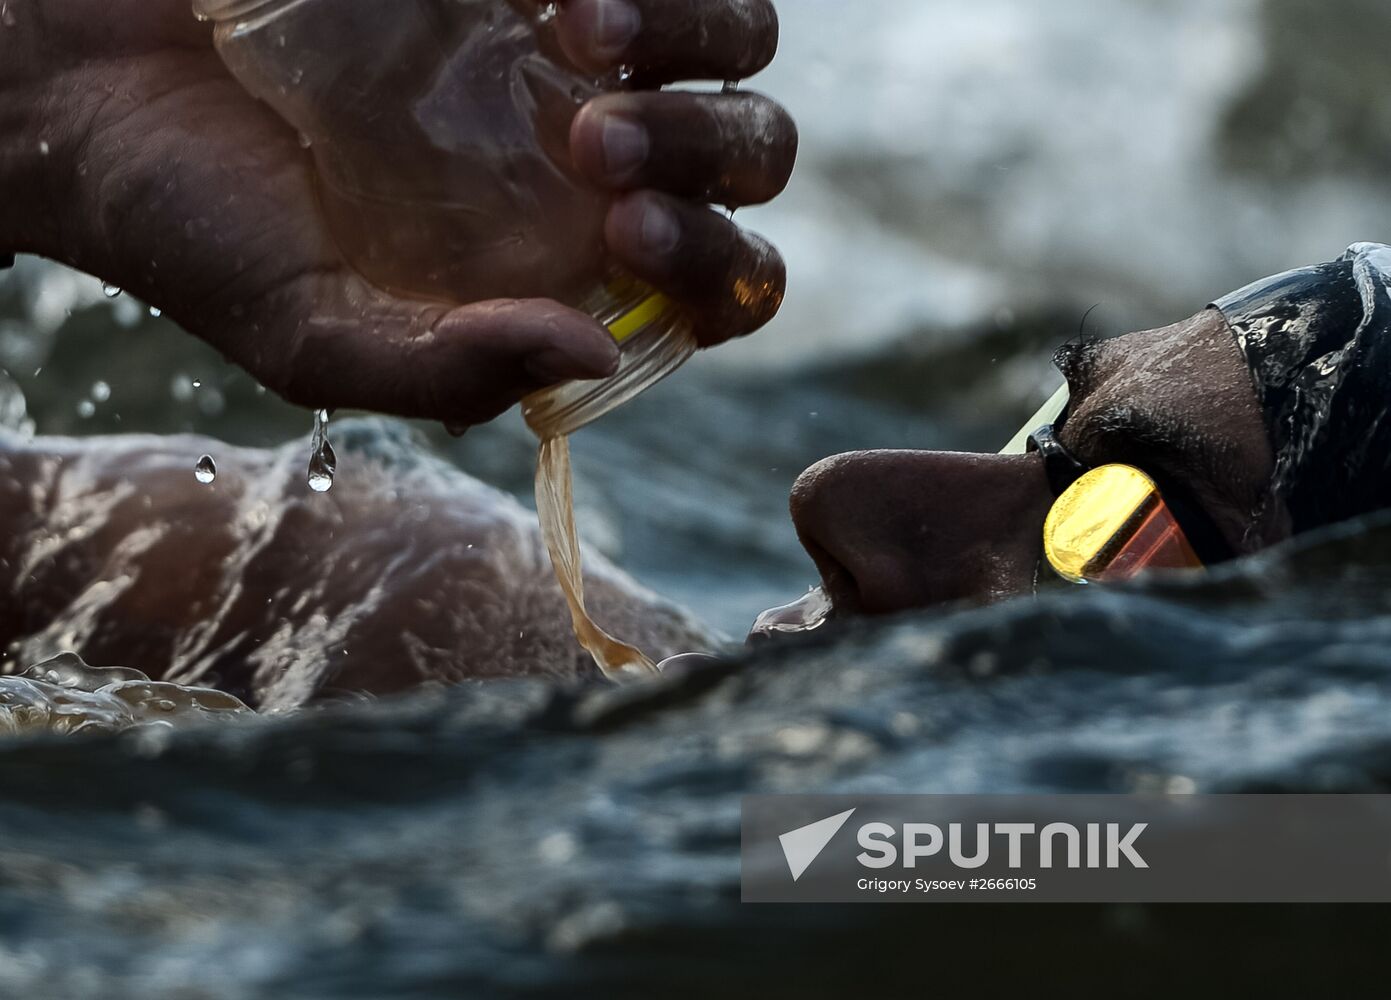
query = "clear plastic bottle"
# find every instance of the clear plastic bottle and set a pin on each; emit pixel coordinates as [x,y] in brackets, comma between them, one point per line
[440,134]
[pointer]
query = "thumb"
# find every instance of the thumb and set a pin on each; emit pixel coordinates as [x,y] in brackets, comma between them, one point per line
[461,366]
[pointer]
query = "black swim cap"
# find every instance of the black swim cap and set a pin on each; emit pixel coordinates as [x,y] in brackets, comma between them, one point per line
[1318,341]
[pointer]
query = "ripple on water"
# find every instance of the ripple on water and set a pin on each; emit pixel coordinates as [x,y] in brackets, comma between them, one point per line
[66,696]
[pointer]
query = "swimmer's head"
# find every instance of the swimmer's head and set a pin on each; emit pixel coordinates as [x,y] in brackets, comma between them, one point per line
[1318,342]
[1267,413]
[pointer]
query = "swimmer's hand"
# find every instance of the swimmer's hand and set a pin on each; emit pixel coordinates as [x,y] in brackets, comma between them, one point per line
[127,150]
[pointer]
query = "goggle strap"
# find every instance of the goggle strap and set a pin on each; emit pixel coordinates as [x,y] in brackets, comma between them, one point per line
[1047,414]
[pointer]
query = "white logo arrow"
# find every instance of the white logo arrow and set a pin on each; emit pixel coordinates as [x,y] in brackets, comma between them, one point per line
[802,846]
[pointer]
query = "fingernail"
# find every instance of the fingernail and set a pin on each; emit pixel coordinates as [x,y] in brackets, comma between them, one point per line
[660,231]
[625,146]
[616,24]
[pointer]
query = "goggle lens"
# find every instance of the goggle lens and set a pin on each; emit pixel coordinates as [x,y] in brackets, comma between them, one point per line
[1112,524]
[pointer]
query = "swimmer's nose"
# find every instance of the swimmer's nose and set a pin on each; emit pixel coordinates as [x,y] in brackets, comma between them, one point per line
[893,530]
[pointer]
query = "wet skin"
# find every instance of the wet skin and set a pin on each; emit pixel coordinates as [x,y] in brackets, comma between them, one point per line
[895,530]
[395,580]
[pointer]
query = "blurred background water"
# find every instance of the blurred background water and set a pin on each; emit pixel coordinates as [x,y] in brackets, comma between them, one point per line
[975,179]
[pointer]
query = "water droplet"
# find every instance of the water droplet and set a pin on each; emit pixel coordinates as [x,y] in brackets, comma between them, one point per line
[109,290]
[625,73]
[206,470]
[86,409]
[8,17]
[323,463]
[156,312]
[304,141]
[101,392]
[43,148]
[730,87]
[197,383]
[548,13]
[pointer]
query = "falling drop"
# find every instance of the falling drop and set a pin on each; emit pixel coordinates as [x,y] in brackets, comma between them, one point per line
[625,73]
[323,463]
[730,87]
[101,392]
[548,13]
[305,141]
[86,409]
[206,470]
[156,312]
[109,290]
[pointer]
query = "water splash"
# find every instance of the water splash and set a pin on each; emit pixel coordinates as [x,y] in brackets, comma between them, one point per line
[206,470]
[323,462]
[66,696]
[807,614]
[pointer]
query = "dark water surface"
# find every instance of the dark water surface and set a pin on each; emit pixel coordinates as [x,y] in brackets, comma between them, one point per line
[512,838]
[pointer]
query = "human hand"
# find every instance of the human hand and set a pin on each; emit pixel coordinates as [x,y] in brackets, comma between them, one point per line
[141,160]
[672,154]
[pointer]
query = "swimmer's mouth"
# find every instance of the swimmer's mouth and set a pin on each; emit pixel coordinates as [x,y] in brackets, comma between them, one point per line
[807,614]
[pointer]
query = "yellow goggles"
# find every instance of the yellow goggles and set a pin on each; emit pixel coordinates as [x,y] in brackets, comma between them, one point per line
[1108,524]
[1111,525]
